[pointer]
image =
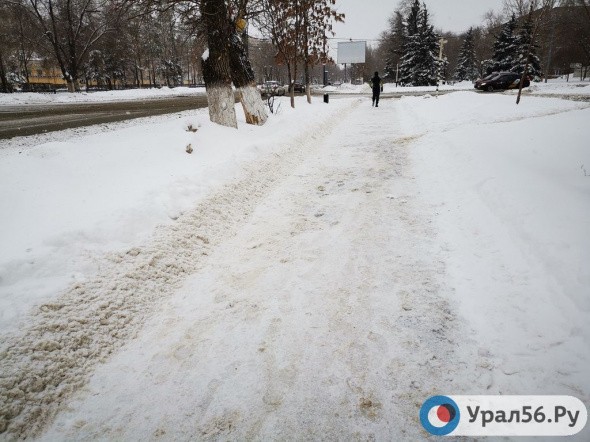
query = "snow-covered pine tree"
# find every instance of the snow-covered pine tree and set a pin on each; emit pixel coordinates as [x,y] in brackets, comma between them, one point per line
[526,47]
[467,63]
[429,66]
[393,39]
[411,42]
[419,63]
[505,48]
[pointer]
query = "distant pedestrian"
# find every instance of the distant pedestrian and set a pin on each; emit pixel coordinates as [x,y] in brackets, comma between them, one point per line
[376,83]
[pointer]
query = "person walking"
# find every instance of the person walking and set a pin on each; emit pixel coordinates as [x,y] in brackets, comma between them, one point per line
[376,83]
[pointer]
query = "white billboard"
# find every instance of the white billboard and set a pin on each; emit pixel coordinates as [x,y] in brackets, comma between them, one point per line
[351,52]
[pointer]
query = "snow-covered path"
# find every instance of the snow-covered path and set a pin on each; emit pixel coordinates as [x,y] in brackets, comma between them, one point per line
[329,289]
[321,313]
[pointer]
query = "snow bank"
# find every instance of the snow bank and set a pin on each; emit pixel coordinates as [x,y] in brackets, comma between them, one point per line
[552,87]
[21,98]
[365,88]
[511,191]
[573,87]
[64,201]
[56,347]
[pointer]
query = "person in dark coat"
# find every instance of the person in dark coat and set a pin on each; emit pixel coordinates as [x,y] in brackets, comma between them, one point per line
[376,83]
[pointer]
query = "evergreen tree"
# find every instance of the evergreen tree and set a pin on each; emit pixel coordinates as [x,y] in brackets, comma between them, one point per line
[467,63]
[505,48]
[394,41]
[419,63]
[429,66]
[526,48]
[410,45]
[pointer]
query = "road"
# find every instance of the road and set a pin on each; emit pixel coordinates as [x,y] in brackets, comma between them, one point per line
[35,119]
[26,120]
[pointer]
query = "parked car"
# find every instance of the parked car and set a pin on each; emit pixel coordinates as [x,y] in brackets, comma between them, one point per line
[270,88]
[298,86]
[500,81]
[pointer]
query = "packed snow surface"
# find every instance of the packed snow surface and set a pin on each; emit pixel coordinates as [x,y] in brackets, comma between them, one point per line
[315,278]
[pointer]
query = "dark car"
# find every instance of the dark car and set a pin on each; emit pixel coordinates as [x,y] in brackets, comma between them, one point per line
[500,81]
[298,86]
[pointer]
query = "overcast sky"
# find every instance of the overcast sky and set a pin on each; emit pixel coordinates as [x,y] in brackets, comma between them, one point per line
[366,19]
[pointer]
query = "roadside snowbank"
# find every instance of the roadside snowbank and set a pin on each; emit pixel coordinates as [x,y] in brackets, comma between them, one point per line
[21,98]
[65,201]
[365,89]
[552,87]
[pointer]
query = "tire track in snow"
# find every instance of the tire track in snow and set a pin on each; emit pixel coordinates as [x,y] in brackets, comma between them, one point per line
[42,366]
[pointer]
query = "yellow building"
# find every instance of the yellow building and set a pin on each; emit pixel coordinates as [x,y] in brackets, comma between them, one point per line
[41,72]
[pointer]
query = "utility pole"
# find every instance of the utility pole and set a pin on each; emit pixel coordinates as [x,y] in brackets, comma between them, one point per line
[441,44]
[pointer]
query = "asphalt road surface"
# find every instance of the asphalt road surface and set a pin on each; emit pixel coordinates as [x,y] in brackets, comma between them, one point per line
[35,119]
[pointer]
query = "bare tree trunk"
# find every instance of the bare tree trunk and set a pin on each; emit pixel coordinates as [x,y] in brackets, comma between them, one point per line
[245,83]
[292,84]
[72,85]
[216,65]
[306,55]
[307,83]
[4,84]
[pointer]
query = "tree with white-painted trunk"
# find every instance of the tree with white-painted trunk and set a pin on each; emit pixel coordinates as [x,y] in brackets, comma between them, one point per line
[245,83]
[216,63]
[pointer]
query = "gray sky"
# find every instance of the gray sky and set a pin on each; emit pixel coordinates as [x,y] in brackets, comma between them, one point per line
[366,19]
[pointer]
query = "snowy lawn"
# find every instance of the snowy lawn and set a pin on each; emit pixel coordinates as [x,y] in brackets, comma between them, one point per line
[319,277]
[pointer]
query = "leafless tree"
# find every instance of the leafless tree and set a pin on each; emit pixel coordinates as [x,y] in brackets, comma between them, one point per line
[299,30]
[318,19]
[71,28]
